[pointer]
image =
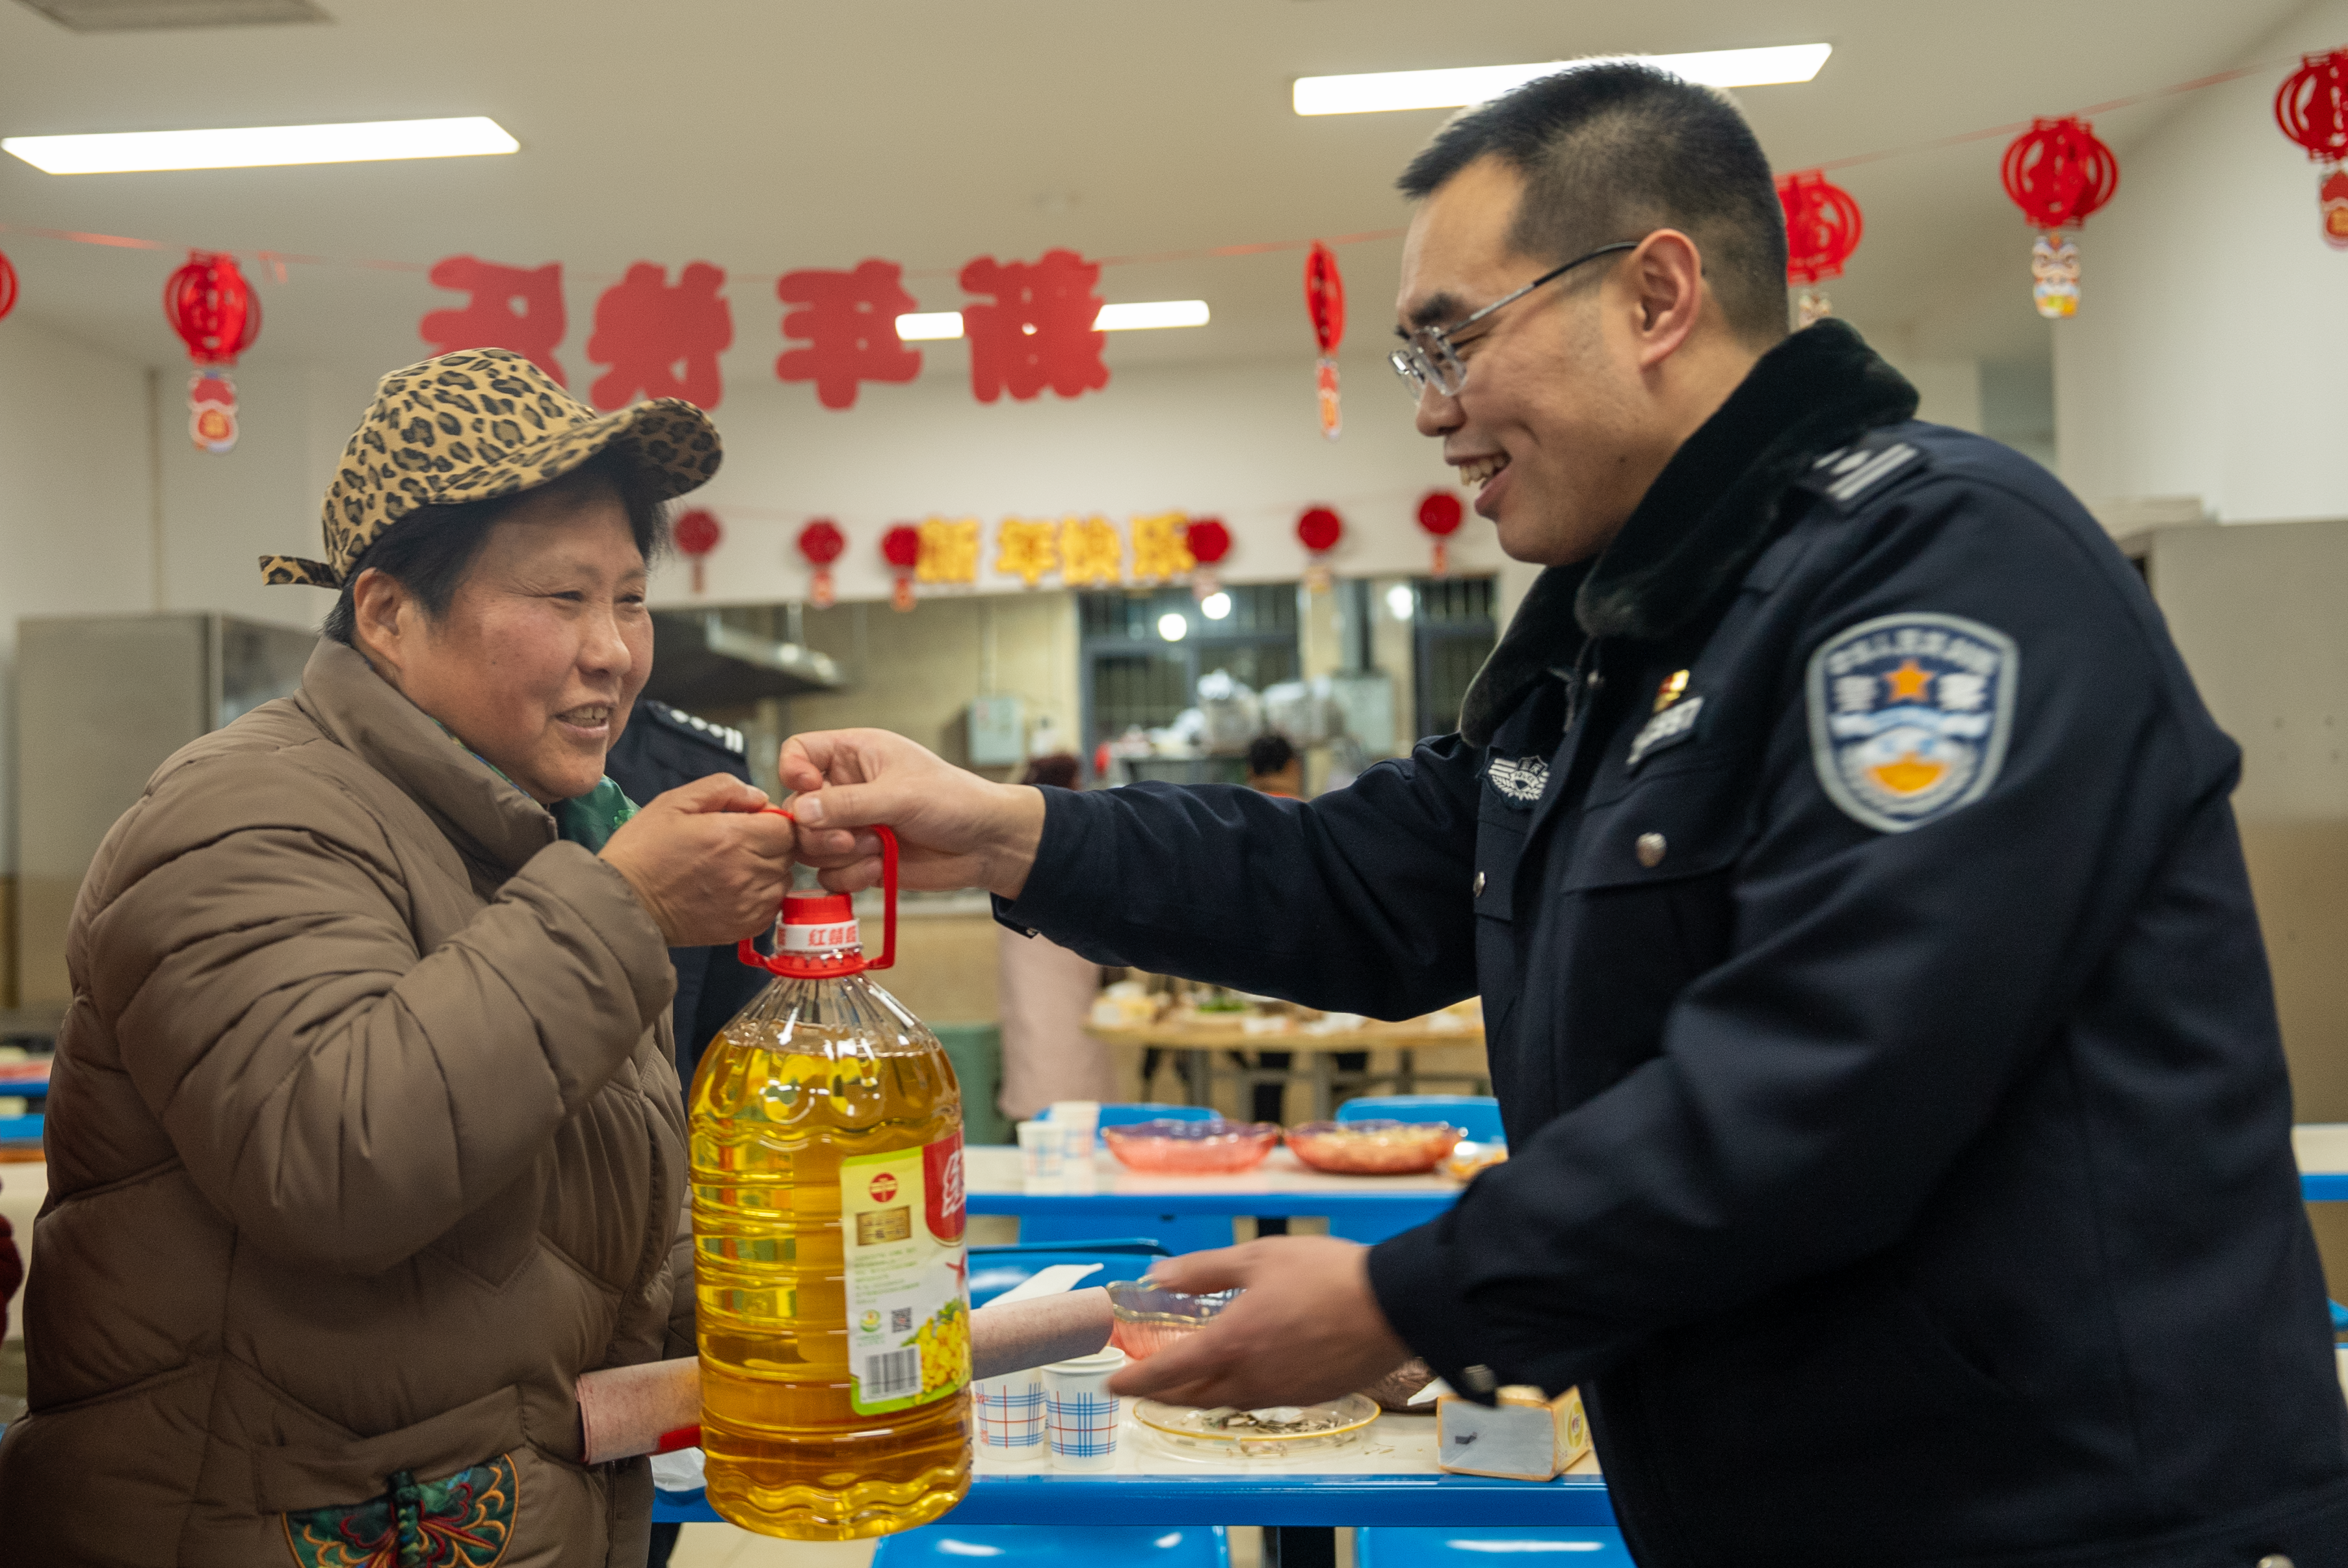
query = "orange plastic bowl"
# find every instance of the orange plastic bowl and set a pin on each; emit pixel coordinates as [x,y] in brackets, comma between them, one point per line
[1192,1148]
[1373,1148]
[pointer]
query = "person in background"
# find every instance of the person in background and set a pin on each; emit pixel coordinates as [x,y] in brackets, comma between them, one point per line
[363,1137]
[660,750]
[1045,994]
[1274,768]
[663,749]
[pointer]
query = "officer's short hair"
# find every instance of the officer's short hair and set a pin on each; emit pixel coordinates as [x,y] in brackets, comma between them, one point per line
[1268,753]
[1614,149]
[429,551]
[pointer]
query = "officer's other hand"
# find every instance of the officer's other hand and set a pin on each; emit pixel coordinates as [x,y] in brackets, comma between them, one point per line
[1308,1327]
[954,829]
[709,863]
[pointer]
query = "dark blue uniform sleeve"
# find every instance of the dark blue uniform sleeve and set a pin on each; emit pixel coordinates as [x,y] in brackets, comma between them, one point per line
[1356,902]
[1882,989]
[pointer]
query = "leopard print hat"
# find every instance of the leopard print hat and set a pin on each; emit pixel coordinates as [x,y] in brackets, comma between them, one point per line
[478,424]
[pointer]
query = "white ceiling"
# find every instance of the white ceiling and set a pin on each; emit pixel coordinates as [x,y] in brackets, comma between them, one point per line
[763,136]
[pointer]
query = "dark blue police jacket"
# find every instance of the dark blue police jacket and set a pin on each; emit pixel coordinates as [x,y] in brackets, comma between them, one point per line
[1900,1139]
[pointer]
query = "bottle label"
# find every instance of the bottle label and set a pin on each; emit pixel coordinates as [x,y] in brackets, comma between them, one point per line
[901,1224]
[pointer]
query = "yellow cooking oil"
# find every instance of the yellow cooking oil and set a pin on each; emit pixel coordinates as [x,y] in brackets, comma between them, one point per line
[834,1300]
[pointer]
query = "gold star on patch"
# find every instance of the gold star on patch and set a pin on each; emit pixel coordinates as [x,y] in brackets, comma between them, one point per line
[1909,683]
[1674,688]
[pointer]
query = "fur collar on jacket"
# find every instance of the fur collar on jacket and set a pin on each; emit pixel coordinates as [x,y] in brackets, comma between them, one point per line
[1707,516]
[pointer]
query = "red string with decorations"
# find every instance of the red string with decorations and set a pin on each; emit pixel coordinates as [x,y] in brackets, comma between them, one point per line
[1208,542]
[697,534]
[1822,229]
[2311,107]
[901,547]
[1325,302]
[7,286]
[212,308]
[2058,173]
[821,542]
[1440,514]
[1318,530]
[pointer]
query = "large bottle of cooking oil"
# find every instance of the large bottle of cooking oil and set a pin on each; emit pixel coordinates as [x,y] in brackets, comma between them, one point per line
[834,1304]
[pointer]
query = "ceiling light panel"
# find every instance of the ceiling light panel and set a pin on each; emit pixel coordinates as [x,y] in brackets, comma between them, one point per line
[1381,90]
[141,15]
[928,326]
[368,141]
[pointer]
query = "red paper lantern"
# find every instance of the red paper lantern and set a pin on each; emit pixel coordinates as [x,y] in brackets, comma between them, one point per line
[697,534]
[1319,529]
[1209,541]
[212,307]
[1325,302]
[2058,173]
[821,541]
[2311,107]
[901,547]
[1822,229]
[7,286]
[1440,514]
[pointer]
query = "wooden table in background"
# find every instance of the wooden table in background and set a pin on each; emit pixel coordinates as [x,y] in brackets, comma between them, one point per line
[1196,1044]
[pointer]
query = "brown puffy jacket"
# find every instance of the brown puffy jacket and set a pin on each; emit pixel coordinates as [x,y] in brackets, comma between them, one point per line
[364,1142]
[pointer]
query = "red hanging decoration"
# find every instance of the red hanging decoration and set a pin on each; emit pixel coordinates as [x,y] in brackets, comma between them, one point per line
[1822,229]
[1325,302]
[7,286]
[2311,107]
[212,308]
[697,534]
[901,547]
[821,541]
[1318,530]
[1208,542]
[1440,514]
[2058,173]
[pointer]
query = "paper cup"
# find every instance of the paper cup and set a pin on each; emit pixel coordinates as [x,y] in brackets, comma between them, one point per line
[1080,1411]
[1041,1148]
[1011,1418]
[1079,1173]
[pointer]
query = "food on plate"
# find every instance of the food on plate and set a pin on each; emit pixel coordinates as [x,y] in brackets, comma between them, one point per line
[1373,1148]
[1168,1148]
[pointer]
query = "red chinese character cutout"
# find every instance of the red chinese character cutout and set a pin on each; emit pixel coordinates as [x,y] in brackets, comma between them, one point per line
[850,328]
[1038,333]
[659,340]
[512,307]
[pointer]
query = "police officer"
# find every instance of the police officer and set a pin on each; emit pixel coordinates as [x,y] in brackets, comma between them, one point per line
[1900,1136]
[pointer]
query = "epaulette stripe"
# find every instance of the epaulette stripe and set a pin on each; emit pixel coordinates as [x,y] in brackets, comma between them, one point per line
[1864,478]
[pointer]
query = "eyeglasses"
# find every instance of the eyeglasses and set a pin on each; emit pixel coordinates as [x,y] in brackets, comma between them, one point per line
[1427,357]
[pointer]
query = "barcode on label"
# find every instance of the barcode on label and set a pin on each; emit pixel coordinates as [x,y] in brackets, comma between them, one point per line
[893,1374]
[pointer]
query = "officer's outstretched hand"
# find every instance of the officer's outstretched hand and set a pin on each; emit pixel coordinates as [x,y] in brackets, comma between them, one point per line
[954,829]
[1308,1328]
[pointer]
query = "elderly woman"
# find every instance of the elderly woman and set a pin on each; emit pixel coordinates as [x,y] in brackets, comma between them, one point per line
[363,1139]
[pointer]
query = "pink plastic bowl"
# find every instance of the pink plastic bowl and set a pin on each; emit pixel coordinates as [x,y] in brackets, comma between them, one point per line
[1192,1148]
[1372,1148]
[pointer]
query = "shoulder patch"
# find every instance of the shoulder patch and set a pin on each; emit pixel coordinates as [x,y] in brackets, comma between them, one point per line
[702,730]
[1519,780]
[1846,474]
[1910,716]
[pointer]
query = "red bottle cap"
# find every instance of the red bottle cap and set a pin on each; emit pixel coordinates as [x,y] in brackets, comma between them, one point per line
[819,937]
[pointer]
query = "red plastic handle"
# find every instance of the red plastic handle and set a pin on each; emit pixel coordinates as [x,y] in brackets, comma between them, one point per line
[747,950]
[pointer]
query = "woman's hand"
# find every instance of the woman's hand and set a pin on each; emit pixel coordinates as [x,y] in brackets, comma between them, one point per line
[954,829]
[708,863]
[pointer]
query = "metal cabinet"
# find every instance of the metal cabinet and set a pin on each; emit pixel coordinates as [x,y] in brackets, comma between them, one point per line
[102,701]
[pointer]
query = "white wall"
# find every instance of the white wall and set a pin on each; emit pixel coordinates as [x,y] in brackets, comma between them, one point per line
[76,501]
[2207,357]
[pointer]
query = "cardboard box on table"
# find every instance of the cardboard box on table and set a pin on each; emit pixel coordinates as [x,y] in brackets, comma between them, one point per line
[1525,1435]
